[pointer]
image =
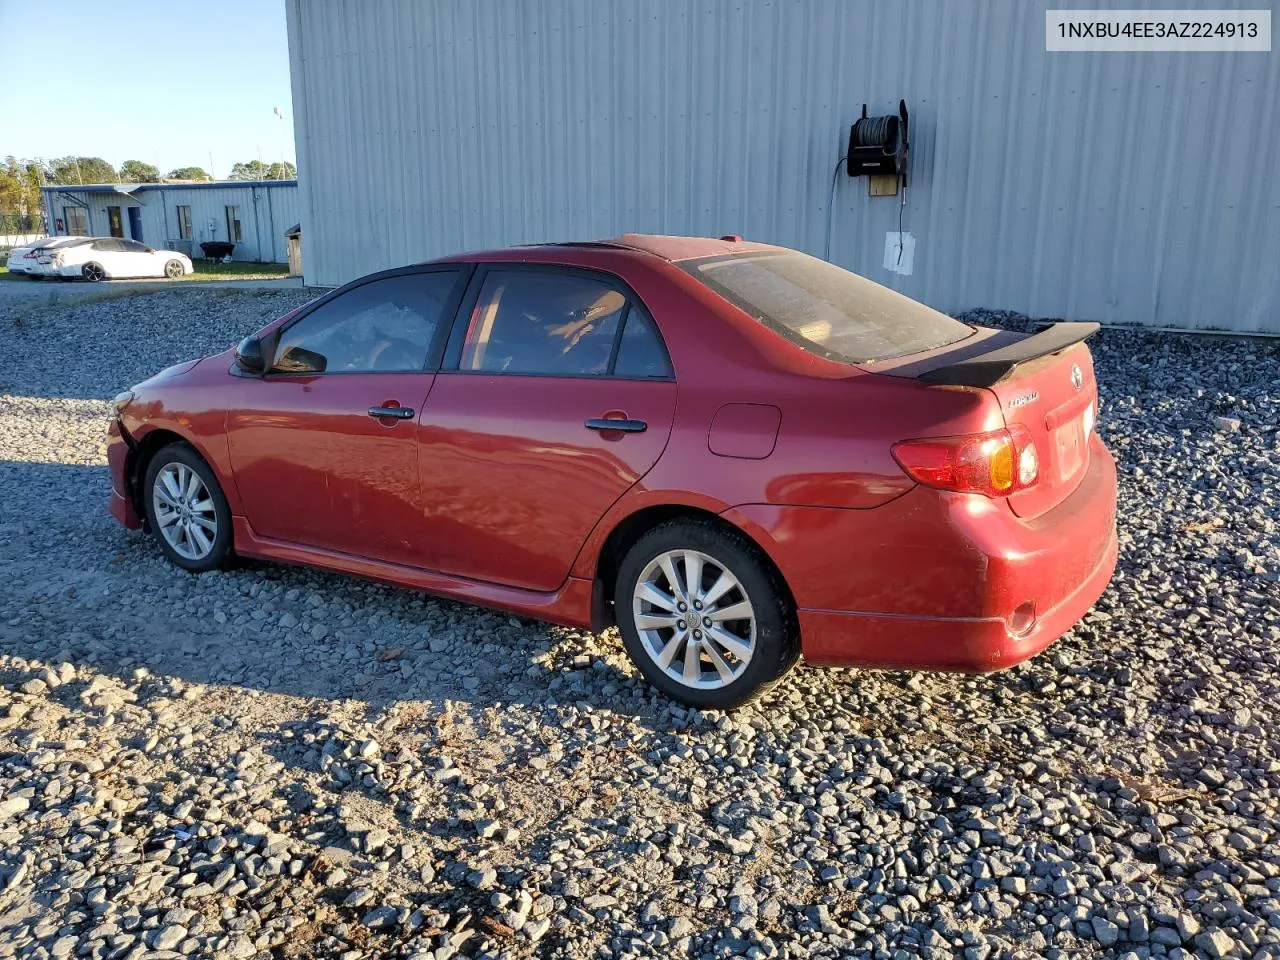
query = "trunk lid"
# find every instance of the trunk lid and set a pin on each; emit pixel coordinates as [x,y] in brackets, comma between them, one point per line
[1043,382]
[1056,399]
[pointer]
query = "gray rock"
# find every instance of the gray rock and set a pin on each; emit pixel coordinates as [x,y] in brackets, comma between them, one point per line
[168,937]
[679,928]
[1104,931]
[1215,943]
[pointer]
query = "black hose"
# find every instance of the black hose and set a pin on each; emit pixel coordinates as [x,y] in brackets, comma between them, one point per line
[874,131]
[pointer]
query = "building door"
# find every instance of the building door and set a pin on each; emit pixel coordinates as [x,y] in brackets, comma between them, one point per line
[115,222]
[135,223]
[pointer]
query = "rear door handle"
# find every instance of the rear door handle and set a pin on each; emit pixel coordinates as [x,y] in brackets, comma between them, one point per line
[623,426]
[398,413]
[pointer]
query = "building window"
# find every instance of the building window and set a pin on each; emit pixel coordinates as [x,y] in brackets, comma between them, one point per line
[233,224]
[115,222]
[184,223]
[76,221]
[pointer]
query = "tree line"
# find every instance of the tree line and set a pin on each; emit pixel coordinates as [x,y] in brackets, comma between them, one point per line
[22,211]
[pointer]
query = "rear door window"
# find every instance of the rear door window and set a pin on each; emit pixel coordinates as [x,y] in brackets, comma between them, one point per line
[543,322]
[641,354]
[824,308]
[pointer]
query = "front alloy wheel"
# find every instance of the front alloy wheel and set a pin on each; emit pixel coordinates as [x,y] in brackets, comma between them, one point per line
[173,269]
[186,509]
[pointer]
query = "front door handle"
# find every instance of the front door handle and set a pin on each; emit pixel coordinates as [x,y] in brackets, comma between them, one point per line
[623,426]
[397,413]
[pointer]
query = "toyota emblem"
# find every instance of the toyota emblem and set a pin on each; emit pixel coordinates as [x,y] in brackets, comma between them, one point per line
[1077,378]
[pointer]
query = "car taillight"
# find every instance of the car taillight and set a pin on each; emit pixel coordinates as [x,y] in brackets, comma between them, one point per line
[995,464]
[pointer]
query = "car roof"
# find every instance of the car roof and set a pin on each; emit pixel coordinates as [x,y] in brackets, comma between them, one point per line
[669,248]
[687,248]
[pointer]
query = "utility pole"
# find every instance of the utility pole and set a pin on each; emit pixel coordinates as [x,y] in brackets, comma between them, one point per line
[283,157]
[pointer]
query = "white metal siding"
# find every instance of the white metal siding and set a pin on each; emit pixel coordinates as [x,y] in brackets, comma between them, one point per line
[1132,188]
[265,213]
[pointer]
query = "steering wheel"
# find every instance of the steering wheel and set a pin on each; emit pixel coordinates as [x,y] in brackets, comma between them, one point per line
[394,354]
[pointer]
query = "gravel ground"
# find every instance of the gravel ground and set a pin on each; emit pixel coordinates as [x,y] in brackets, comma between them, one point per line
[281,763]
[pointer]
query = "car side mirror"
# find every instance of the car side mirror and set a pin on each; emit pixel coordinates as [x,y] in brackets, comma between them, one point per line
[249,356]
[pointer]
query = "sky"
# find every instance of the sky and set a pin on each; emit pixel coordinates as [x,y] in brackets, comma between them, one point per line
[162,82]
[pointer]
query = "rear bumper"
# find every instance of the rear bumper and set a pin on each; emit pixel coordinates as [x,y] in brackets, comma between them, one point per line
[972,645]
[121,502]
[942,581]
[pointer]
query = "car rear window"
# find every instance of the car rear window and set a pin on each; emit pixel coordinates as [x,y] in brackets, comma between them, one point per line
[824,308]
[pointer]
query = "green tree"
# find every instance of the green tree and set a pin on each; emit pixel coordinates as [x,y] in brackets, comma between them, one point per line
[250,170]
[21,206]
[257,170]
[75,170]
[188,173]
[135,171]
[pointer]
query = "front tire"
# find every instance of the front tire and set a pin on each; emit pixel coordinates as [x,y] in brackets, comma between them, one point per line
[186,509]
[704,616]
[173,269]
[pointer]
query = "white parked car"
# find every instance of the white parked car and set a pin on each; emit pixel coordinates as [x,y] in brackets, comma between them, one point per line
[110,258]
[26,259]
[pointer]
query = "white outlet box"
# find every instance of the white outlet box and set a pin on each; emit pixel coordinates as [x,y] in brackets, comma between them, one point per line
[899,258]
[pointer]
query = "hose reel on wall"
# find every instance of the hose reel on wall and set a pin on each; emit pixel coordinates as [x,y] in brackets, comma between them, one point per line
[878,147]
[878,150]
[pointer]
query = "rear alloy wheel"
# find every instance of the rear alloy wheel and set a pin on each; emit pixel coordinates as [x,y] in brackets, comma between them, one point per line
[173,269]
[703,616]
[93,272]
[186,509]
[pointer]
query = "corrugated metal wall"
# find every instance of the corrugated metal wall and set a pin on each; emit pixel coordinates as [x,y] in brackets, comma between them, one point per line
[1131,188]
[265,213]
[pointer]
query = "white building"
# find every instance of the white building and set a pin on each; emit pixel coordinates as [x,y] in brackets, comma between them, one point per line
[1119,187]
[252,214]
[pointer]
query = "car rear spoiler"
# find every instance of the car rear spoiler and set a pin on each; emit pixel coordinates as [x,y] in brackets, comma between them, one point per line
[988,369]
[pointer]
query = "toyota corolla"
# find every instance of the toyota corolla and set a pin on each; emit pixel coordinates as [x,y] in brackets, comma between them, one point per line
[737,453]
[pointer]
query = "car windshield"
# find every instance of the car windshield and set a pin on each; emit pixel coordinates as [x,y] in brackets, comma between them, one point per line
[825,309]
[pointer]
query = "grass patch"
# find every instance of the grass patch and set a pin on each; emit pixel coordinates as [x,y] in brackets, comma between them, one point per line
[204,270]
[236,270]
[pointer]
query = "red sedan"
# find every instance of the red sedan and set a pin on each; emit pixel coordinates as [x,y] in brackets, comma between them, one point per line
[736,453]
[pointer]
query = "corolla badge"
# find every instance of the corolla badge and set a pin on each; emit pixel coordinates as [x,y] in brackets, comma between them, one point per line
[1077,378]
[1023,399]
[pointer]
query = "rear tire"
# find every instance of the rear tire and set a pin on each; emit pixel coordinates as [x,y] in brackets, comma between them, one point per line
[186,509]
[704,616]
[93,272]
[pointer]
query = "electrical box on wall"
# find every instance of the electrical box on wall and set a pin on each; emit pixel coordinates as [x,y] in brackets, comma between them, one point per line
[878,148]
